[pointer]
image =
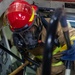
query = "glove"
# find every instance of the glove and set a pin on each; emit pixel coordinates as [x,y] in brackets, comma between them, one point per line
[69,54]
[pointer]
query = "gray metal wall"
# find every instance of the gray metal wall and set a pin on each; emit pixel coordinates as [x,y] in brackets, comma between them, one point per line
[43,3]
[4,5]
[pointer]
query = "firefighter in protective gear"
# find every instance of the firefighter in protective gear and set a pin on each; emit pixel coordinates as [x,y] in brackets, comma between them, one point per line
[21,16]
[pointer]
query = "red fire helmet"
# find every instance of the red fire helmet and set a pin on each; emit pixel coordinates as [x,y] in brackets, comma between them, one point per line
[20,14]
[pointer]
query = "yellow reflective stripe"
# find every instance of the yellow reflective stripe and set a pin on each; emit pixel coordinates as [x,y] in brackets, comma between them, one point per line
[32,17]
[73,38]
[56,50]
[63,48]
[57,64]
[53,64]
[39,57]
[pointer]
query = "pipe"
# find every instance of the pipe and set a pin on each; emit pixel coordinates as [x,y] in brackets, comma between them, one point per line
[46,9]
[32,61]
[45,23]
[68,43]
[49,49]
[49,43]
[9,52]
[12,54]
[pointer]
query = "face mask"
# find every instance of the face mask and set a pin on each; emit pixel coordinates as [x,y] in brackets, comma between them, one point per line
[27,39]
